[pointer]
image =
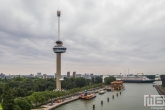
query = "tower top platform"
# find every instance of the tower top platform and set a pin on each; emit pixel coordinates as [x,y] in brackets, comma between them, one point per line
[58,13]
[59,42]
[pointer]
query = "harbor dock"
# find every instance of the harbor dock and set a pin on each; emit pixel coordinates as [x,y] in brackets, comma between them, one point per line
[62,101]
[51,106]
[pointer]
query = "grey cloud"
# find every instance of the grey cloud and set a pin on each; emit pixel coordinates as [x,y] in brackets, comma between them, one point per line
[118,34]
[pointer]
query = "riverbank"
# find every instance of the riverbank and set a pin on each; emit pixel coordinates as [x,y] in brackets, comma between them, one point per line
[130,99]
[51,106]
[63,100]
[159,89]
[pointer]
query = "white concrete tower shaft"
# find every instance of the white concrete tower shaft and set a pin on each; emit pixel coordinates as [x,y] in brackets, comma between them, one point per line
[58,71]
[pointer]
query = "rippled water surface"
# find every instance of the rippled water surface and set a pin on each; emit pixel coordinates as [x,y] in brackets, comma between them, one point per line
[131,99]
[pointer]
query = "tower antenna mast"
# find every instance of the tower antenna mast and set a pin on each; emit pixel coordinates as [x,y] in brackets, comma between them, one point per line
[58,15]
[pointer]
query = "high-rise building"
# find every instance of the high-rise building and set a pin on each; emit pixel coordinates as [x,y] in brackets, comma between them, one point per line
[39,73]
[58,49]
[78,75]
[2,76]
[68,74]
[74,74]
[91,75]
[44,76]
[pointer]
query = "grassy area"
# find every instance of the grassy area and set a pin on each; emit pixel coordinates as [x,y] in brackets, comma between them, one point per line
[39,108]
[0,106]
[163,88]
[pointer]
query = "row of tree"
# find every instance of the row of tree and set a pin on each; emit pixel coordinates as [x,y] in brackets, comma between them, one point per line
[22,87]
[70,83]
[36,98]
[24,93]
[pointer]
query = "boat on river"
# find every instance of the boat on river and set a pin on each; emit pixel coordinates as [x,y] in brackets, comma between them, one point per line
[134,78]
[101,92]
[108,89]
[87,95]
[117,85]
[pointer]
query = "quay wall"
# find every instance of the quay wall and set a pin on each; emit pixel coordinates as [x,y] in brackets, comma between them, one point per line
[74,96]
[62,103]
[163,80]
[160,90]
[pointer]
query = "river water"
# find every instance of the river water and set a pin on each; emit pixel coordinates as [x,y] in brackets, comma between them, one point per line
[132,98]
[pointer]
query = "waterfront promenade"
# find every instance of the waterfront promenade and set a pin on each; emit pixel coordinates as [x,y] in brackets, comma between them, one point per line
[51,106]
[55,105]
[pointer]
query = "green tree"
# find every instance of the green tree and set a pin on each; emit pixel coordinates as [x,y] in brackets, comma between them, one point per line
[93,79]
[18,78]
[16,107]
[80,82]
[36,96]
[1,88]
[97,79]
[109,79]
[23,103]
[8,100]
[36,88]
[31,99]
[69,83]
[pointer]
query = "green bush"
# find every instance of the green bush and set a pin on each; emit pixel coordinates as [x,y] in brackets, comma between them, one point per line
[22,103]
[16,107]
[0,106]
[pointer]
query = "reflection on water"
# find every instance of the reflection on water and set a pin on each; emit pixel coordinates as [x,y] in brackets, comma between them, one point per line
[131,99]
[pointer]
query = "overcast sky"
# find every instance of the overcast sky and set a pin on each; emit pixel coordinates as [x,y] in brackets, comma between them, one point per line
[101,36]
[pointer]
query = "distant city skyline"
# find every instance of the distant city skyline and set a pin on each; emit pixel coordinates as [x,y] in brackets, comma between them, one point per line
[102,37]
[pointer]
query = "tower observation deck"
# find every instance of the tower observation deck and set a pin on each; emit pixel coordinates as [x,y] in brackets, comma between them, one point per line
[58,49]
